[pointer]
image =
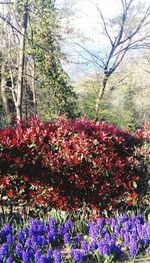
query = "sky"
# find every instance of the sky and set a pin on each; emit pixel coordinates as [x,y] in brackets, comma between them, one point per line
[86,22]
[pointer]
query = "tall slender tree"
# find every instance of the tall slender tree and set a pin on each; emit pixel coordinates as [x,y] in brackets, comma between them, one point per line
[39,84]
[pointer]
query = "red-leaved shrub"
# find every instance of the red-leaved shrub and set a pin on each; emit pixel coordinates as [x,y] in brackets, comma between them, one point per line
[68,164]
[144,133]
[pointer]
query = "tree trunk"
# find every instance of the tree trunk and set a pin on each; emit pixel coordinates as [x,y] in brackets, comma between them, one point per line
[21,63]
[3,93]
[33,88]
[100,96]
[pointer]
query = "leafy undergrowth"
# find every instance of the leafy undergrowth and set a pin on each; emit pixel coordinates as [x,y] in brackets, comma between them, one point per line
[107,239]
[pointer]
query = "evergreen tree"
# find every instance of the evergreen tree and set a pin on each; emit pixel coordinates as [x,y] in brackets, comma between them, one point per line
[129,111]
[55,96]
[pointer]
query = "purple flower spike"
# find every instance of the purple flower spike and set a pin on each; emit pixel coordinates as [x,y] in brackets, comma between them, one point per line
[77,255]
[57,256]
[106,250]
[78,239]
[141,218]
[69,224]
[52,223]
[93,245]
[26,257]
[51,236]
[41,240]
[10,239]
[133,248]
[37,255]
[60,230]
[49,255]
[27,243]
[21,236]
[123,218]
[126,238]
[42,259]
[113,222]
[67,238]
[9,260]
[3,251]
[6,230]
[84,246]
[18,250]
[108,221]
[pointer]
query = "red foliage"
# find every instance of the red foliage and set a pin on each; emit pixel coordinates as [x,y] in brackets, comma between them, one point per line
[144,133]
[67,164]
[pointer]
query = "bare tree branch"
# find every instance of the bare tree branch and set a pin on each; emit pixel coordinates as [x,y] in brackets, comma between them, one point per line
[104,24]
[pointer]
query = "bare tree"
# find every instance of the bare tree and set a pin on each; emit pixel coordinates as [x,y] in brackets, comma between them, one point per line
[16,88]
[4,72]
[21,62]
[129,31]
[3,92]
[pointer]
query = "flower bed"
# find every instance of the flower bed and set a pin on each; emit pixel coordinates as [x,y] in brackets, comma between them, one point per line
[102,240]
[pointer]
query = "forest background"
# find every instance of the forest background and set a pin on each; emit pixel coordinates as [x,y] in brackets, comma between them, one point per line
[79,58]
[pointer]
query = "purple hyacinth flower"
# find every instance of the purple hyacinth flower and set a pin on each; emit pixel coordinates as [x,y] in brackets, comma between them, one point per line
[141,218]
[57,256]
[42,259]
[37,255]
[118,250]
[52,223]
[26,231]
[93,245]
[4,249]
[10,260]
[77,255]
[35,246]
[5,231]
[126,238]
[10,239]
[113,222]
[67,238]
[133,248]
[41,228]
[103,232]
[27,242]
[112,240]
[128,225]
[78,239]
[148,229]
[117,230]
[139,229]
[33,239]
[134,234]
[108,221]
[41,240]
[49,255]
[106,249]
[122,232]
[123,218]
[69,224]
[51,236]
[84,246]
[21,236]
[26,256]
[106,237]
[19,250]
[60,230]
